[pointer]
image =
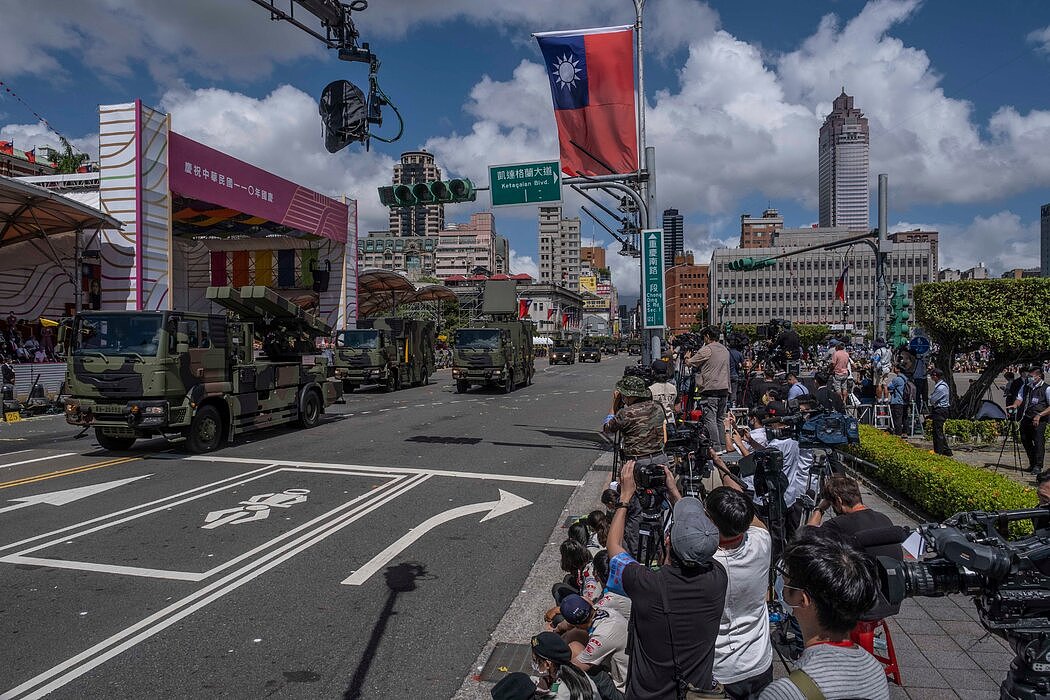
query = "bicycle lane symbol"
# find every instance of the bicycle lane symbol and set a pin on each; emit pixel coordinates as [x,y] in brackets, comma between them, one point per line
[254,509]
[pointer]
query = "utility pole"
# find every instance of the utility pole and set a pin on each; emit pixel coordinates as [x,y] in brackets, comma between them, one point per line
[881,255]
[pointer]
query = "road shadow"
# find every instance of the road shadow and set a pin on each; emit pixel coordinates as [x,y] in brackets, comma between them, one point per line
[399,579]
[592,436]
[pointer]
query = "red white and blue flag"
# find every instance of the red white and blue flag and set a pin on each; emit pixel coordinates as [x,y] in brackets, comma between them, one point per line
[591,72]
[840,286]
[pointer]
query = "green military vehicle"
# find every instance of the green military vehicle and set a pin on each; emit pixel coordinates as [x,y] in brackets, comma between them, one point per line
[590,352]
[498,351]
[390,352]
[203,377]
[562,353]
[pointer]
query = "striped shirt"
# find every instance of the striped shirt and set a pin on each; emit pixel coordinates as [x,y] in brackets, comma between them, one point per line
[839,672]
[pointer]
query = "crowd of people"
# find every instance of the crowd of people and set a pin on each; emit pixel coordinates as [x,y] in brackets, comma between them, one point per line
[23,341]
[695,622]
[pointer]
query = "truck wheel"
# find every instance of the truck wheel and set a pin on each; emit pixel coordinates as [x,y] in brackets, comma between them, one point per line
[113,443]
[425,378]
[205,431]
[508,383]
[462,385]
[348,388]
[528,376]
[391,383]
[311,413]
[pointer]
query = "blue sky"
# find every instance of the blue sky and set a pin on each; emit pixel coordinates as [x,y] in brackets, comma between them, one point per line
[956,93]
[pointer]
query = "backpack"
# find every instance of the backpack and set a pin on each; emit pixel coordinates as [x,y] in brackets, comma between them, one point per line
[909,391]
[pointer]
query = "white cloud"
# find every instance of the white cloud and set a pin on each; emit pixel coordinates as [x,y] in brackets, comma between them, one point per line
[28,136]
[523,264]
[1041,39]
[281,132]
[1002,241]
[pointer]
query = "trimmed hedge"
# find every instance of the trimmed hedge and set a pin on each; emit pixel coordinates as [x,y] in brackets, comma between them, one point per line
[940,485]
[981,431]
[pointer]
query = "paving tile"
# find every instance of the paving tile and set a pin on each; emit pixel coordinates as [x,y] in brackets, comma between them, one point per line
[950,613]
[911,627]
[969,679]
[898,693]
[934,642]
[910,610]
[988,642]
[962,628]
[912,657]
[922,677]
[995,663]
[942,660]
[978,694]
[932,694]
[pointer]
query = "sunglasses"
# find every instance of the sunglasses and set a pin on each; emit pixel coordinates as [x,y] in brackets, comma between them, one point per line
[784,575]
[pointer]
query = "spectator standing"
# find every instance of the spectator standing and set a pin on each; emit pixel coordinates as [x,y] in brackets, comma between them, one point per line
[896,389]
[743,651]
[922,389]
[712,378]
[828,399]
[736,363]
[1012,388]
[1034,397]
[940,401]
[829,586]
[881,361]
[841,369]
[676,611]
[663,391]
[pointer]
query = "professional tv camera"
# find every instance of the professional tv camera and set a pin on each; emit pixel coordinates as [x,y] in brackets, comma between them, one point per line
[688,342]
[1008,579]
[812,427]
[643,371]
[689,446]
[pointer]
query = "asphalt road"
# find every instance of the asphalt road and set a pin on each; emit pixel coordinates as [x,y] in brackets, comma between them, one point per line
[369,557]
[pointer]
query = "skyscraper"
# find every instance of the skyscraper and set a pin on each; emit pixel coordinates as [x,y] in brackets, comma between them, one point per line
[417,166]
[1044,240]
[674,236]
[559,249]
[842,182]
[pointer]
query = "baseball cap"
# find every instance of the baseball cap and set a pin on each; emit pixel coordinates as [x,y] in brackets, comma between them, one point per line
[514,686]
[550,646]
[694,538]
[575,609]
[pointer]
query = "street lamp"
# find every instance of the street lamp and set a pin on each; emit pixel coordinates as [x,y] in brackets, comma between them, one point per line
[723,304]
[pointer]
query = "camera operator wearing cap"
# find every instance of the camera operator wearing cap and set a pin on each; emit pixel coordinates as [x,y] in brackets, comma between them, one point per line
[712,379]
[676,611]
[1034,395]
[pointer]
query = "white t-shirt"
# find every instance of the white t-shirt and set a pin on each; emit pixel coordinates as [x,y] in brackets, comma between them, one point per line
[664,393]
[743,648]
[798,487]
[608,640]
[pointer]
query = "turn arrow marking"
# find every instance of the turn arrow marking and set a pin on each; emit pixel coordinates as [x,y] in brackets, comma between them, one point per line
[61,498]
[507,502]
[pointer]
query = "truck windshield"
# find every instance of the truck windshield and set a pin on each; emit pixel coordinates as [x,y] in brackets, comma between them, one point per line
[358,340]
[562,348]
[477,339]
[118,334]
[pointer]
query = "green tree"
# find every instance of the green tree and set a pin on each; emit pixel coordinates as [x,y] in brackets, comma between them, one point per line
[811,334]
[1009,316]
[67,160]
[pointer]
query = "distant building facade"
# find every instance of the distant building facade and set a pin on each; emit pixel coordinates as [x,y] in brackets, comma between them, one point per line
[466,249]
[802,287]
[842,179]
[674,235]
[1020,273]
[760,231]
[979,272]
[593,256]
[688,293]
[559,248]
[414,257]
[920,236]
[428,220]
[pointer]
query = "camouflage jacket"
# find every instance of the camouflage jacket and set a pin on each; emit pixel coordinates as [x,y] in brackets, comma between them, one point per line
[641,425]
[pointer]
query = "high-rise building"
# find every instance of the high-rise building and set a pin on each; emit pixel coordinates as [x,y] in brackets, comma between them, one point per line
[842,182]
[760,231]
[674,235]
[467,249]
[412,256]
[802,287]
[920,236]
[1044,241]
[687,287]
[559,249]
[593,256]
[424,220]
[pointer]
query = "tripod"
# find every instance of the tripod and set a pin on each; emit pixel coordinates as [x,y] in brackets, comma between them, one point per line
[650,549]
[1012,430]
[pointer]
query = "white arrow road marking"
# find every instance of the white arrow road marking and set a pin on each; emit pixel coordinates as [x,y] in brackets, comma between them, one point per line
[38,459]
[61,498]
[507,502]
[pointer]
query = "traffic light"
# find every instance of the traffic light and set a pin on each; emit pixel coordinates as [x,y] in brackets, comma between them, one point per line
[424,193]
[750,264]
[898,329]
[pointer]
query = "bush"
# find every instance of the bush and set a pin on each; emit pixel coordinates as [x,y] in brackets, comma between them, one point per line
[939,485]
[980,431]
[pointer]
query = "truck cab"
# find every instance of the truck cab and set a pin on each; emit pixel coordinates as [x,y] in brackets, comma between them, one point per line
[391,352]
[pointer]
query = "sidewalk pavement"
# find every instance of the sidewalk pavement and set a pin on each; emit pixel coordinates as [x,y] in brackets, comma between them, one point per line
[942,650]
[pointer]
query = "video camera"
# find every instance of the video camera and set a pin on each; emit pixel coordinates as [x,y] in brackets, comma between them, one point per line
[643,371]
[813,427]
[689,342]
[1009,579]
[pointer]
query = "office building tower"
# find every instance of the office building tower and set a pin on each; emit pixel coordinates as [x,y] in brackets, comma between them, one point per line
[842,180]
[687,286]
[760,231]
[423,220]
[559,249]
[674,235]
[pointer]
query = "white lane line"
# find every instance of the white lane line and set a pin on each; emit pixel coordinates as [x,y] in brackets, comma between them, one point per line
[38,459]
[394,470]
[103,568]
[134,508]
[105,650]
[13,452]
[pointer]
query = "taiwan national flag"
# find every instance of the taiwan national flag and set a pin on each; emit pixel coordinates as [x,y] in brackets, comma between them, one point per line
[840,286]
[591,72]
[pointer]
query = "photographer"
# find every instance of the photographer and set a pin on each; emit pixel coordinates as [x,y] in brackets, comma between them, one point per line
[768,430]
[676,611]
[829,586]
[1035,397]
[712,379]
[789,345]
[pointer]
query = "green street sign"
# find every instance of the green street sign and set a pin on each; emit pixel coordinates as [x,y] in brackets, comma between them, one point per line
[525,183]
[653,306]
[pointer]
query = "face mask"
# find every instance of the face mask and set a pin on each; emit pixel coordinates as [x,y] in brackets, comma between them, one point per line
[536,668]
[1032,381]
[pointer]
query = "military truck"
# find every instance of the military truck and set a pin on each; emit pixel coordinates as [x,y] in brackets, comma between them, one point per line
[203,377]
[497,351]
[390,352]
[590,352]
[562,353]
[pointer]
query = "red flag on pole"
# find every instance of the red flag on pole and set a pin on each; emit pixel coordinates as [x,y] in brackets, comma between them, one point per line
[550,314]
[840,286]
[591,72]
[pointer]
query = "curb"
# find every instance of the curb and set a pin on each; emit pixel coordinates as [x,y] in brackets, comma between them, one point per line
[524,617]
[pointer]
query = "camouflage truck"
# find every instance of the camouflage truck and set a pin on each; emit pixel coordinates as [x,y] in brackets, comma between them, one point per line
[202,377]
[498,351]
[390,352]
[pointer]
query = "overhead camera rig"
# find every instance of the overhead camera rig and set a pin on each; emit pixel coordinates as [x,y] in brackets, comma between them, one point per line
[346,113]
